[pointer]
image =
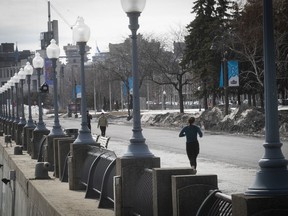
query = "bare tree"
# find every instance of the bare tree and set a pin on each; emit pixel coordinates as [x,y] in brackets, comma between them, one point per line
[164,58]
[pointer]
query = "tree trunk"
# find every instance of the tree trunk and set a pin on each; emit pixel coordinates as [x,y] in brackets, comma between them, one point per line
[181,105]
[262,100]
[239,97]
[254,99]
[249,99]
[214,99]
[205,97]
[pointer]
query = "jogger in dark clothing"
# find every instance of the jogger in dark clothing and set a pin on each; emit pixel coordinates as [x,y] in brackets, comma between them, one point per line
[192,150]
[192,145]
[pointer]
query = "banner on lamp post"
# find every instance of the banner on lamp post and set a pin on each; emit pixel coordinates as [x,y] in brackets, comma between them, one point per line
[48,72]
[130,86]
[233,73]
[78,91]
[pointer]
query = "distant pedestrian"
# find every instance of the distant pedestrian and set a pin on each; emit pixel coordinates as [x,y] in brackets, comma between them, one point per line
[192,144]
[103,123]
[89,117]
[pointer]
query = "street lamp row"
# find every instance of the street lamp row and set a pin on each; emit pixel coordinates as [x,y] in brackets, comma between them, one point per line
[81,34]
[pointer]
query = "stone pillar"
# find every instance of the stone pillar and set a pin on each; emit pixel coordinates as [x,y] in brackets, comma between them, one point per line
[75,165]
[13,131]
[129,169]
[162,188]
[48,151]
[5,129]
[25,137]
[36,141]
[56,143]
[29,136]
[19,134]
[63,150]
[259,205]
[189,192]
[9,128]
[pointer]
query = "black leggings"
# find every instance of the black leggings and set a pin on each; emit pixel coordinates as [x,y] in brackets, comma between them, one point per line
[103,130]
[192,150]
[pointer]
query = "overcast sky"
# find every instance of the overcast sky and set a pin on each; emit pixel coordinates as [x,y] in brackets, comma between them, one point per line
[22,21]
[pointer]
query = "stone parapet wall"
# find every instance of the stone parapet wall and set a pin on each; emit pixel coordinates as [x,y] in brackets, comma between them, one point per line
[27,196]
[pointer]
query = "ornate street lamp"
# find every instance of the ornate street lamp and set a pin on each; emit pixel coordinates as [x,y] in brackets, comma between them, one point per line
[29,71]
[53,52]
[8,89]
[137,146]
[22,77]
[81,34]
[11,83]
[16,80]
[22,122]
[1,103]
[272,179]
[7,107]
[38,64]
[4,87]
[11,108]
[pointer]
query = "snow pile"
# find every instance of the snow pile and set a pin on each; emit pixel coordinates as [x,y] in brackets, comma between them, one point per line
[165,120]
[244,119]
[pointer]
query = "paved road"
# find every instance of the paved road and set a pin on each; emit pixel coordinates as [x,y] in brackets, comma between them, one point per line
[233,158]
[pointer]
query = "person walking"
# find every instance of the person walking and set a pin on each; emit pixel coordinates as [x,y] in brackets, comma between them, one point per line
[102,123]
[192,145]
[89,117]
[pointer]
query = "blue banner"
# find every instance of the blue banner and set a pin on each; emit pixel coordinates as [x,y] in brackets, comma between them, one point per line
[130,83]
[78,92]
[233,73]
[48,71]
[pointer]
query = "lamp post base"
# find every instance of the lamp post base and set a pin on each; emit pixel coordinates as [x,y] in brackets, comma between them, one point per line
[84,137]
[56,131]
[270,182]
[30,124]
[138,148]
[41,127]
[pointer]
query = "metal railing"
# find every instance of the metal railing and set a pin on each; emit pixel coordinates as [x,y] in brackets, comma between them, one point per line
[216,203]
[97,175]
